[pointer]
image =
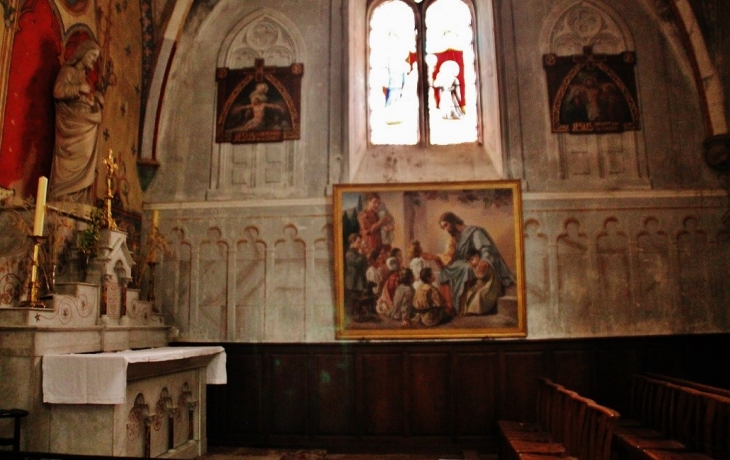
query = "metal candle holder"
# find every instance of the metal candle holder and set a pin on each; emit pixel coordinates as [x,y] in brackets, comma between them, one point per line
[34,285]
[111,166]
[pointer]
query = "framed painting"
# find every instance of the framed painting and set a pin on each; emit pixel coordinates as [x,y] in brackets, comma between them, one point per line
[429,260]
[259,104]
[592,93]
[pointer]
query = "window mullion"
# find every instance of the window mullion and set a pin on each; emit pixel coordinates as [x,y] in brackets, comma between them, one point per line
[424,82]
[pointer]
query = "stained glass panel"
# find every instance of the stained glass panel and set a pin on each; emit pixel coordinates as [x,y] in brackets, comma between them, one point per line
[450,60]
[393,75]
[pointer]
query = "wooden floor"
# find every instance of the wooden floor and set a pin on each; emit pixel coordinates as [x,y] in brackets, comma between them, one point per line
[220,453]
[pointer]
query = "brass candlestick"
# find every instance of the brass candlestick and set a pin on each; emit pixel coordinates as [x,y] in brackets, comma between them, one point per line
[151,286]
[34,285]
[111,166]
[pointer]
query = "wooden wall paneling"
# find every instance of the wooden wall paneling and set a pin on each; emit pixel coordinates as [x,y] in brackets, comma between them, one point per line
[405,396]
[217,397]
[234,409]
[475,390]
[701,357]
[574,370]
[616,362]
[335,393]
[289,393]
[430,394]
[383,410]
[519,371]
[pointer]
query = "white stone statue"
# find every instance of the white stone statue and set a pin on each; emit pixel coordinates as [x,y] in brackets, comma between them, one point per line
[78,115]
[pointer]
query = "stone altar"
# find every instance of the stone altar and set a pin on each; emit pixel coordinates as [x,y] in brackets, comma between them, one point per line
[159,410]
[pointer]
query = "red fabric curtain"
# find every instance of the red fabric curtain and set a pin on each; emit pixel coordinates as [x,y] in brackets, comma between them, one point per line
[29,126]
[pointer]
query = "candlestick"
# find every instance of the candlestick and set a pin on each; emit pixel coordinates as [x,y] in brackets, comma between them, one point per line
[151,286]
[34,284]
[111,166]
[40,206]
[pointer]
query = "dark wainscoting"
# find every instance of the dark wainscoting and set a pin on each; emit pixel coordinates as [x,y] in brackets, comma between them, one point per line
[443,396]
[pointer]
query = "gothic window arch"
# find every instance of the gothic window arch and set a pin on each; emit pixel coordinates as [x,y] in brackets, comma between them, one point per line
[260,169]
[422,78]
[406,74]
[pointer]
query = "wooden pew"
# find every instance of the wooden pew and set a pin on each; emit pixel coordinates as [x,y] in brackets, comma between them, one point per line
[674,422]
[689,384]
[539,434]
[704,429]
[569,426]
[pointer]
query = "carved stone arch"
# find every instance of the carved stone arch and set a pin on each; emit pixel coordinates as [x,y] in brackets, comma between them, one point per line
[602,161]
[585,23]
[251,282]
[212,314]
[264,34]
[271,168]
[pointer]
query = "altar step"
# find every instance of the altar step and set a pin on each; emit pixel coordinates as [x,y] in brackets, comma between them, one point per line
[78,305]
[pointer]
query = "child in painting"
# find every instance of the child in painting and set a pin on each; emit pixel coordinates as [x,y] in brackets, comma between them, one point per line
[374,274]
[417,262]
[398,254]
[481,297]
[403,299]
[428,303]
[355,265]
[385,301]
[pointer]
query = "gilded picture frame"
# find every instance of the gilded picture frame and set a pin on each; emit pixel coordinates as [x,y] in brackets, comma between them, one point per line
[259,104]
[429,260]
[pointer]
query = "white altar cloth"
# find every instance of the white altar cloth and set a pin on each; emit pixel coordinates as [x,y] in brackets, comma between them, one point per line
[101,378]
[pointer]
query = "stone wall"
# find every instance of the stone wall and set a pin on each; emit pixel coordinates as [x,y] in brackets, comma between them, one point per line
[623,232]
[604,264]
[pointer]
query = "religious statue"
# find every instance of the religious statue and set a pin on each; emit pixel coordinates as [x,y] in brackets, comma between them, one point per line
[78,116]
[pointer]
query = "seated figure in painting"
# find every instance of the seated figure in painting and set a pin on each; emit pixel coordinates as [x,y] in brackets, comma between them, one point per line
[403,299]
[485,289]
[429,306]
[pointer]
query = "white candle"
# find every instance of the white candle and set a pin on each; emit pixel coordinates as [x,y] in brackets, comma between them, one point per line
[40,206]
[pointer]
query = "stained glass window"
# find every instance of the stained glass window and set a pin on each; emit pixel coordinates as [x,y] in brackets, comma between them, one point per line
[393,80]
[422,52]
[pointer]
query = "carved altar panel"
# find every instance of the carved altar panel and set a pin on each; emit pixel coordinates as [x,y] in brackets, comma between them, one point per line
[693,271]
[174,288]
[288,282]
[250,285]
[213,286]
[537,273]
[573,281]
[653,271]
[612,246]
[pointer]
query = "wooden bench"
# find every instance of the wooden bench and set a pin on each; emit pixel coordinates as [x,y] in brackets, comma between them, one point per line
[673,422]
[689,383]
[569,426]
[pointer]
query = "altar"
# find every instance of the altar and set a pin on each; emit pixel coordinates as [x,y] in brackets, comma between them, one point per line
[91,361]
[140,403]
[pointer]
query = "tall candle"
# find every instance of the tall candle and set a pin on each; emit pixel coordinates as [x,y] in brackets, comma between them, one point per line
[40,206]
[155,218]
